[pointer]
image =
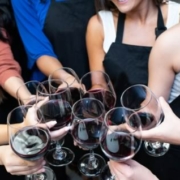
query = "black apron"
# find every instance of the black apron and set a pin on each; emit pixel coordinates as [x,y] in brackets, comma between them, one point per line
[65,27]
[128,65]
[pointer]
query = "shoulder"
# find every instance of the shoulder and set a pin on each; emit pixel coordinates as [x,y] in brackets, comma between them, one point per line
[170,38]
[167,46]
[95,24]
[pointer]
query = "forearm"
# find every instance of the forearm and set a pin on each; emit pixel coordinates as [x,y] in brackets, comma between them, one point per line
[1,154]
[3,134]
[47,64]
[11,86]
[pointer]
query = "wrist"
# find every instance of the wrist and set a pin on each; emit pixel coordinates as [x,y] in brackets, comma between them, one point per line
[2,150]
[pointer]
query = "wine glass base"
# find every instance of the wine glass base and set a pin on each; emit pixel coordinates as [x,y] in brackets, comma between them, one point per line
[156,149]
[47,175]
[67,159]
[90,171]
[106,174]
[53,144]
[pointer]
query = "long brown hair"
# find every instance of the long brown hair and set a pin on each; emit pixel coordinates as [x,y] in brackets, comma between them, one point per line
[108,5]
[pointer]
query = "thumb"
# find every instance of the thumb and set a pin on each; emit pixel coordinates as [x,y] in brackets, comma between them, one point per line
[58,134]
[165,106]
[51,124]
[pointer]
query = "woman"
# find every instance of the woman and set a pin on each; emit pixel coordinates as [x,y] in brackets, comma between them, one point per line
[119,41]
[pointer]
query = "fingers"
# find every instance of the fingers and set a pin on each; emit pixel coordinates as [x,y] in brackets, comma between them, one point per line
[76,144]
[51,124]
[41,102]
[58,134]
[115,172]
[29,168]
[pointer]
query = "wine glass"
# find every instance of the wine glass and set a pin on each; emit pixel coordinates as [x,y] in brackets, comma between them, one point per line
[97,84]
[142,100]
[56,107]
[120,137]
[50,175]
[29,138]
[67,74]
[26,93]
[88,114]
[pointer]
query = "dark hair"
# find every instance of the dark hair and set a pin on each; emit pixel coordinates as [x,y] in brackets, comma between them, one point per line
[108,5]
[6,20]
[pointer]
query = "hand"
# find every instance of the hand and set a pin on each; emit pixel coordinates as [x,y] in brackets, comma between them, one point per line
[16,165]
[57,134]
[168,131]
[71,81]
[130,170]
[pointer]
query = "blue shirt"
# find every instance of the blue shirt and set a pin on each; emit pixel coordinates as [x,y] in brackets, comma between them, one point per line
[30,17]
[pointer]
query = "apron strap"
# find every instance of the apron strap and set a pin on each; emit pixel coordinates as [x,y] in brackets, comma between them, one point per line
[160,23]
[120,27]
[158,30]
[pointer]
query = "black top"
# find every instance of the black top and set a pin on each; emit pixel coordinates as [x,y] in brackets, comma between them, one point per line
[65,27]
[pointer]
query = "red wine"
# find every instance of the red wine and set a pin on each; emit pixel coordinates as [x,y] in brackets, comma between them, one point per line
[148,120]
[31,143]
[86,133]
[119,145]
[57,110]
[75,94]
[106,97]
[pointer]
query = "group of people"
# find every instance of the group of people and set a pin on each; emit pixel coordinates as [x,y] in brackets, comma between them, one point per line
[128,39]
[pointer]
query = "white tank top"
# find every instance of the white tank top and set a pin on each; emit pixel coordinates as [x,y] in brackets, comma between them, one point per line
[110,36]
[109,27]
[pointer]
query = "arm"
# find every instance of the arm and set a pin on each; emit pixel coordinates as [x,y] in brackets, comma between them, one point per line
[10,72]
[3,134]
[94,42]
[38,47]
[164,63]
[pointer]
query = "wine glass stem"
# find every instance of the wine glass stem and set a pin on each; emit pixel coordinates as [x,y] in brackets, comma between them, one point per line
[59,154]
[93,162]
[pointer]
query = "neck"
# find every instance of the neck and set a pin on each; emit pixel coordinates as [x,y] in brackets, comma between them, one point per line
[143,13]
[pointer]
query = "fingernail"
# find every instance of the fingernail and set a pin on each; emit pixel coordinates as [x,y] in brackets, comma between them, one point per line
[67,128]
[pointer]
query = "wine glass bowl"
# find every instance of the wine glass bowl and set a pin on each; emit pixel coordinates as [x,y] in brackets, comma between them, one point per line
[97,84]
[57,108]
[28,138]
[69,75]
[26,93]
[142,100]
[121,134]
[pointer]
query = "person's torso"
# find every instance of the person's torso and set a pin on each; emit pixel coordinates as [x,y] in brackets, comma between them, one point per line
[127,64]
[65,26]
